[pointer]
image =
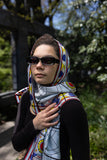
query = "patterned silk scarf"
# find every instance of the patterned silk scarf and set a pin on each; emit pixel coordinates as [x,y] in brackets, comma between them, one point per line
[46,145]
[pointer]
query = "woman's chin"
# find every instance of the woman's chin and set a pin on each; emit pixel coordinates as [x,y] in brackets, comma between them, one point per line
[43,83]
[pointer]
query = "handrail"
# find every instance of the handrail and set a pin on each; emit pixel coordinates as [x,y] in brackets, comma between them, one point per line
[7,98]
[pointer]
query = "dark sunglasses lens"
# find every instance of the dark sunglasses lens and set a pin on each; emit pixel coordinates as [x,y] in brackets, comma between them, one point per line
[33,60]
[47,60]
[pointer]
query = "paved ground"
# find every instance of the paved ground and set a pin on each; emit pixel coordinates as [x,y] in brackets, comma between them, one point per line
[6,149]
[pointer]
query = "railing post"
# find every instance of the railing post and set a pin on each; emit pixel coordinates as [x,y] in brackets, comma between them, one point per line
[19,55]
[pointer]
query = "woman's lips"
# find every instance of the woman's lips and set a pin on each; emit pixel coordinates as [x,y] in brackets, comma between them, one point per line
[39,75]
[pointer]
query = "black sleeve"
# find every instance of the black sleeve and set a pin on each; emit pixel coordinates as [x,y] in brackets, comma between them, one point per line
[74,133]
[24,131]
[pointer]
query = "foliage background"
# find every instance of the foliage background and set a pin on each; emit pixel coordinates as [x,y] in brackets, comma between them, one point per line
[5,65]
[82,28]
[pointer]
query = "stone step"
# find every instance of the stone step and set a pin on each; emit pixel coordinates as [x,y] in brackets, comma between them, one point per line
[7,151]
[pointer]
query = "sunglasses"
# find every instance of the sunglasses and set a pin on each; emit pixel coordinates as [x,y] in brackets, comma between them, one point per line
[44,60]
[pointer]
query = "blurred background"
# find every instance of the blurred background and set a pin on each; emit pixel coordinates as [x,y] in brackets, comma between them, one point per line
[81,26]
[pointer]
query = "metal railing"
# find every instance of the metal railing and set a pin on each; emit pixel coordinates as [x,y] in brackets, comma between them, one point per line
[7,99]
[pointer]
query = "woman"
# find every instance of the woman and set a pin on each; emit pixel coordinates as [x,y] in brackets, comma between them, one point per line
[51,120]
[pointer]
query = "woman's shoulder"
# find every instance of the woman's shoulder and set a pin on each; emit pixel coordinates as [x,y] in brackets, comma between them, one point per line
[72,106]
[25,96]
[72,103]
[25,100]
[73,112]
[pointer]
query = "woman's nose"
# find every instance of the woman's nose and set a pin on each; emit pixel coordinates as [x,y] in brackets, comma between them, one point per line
[39,64]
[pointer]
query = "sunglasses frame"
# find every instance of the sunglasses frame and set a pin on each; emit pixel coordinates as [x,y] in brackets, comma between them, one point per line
[42,59]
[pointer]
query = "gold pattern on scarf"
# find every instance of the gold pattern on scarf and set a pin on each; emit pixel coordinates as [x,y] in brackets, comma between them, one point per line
[31,110]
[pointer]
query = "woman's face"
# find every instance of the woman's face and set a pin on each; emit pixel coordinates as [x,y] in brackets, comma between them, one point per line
[44,74]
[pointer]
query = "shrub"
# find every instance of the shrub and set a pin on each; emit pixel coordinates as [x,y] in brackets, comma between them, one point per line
[96,108]
[5,66]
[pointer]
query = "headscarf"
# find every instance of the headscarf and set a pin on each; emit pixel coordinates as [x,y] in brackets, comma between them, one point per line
[46,145]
